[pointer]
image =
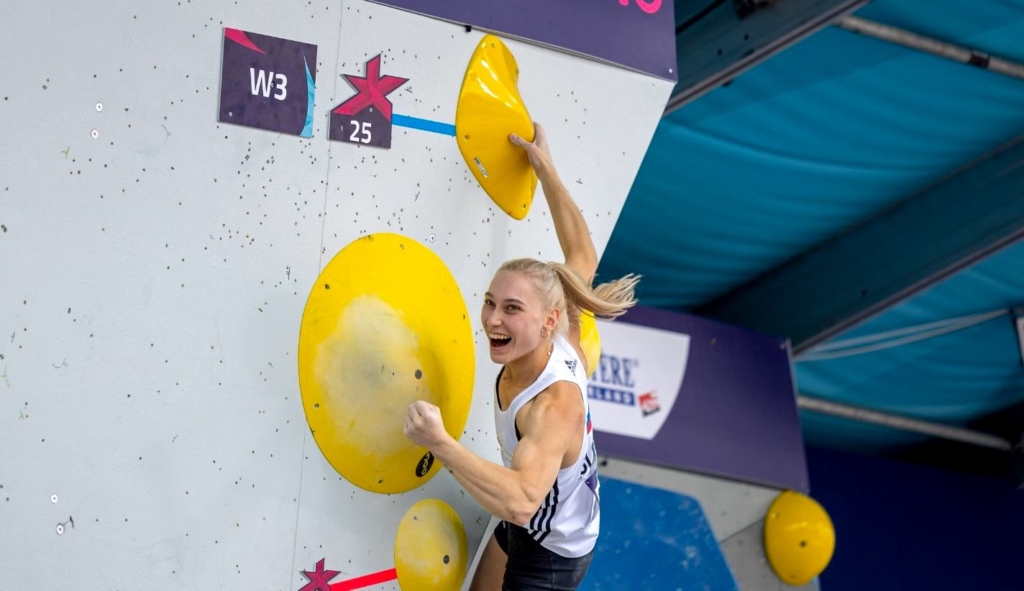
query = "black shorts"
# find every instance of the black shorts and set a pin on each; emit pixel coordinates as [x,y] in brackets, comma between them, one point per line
[532,567]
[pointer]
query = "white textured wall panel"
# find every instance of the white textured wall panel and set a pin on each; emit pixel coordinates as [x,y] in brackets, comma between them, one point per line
[154,279]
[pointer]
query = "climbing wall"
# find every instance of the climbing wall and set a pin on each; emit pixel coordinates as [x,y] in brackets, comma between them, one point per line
[159,262]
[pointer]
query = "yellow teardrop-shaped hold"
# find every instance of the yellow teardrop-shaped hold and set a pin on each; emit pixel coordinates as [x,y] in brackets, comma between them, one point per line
[490,109]
[590,340]
[384,326]
[799,538]
[431,553]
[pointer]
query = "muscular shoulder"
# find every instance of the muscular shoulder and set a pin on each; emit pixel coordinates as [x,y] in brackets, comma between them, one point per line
[559,405]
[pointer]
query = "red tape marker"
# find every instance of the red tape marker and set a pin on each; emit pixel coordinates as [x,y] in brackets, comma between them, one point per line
[366,580]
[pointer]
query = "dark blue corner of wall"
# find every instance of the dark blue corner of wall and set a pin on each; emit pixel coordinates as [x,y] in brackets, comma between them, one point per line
[908,527]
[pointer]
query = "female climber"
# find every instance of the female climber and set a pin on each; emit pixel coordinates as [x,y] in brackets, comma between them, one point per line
[546,493]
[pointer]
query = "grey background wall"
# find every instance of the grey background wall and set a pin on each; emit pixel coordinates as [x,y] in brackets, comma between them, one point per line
[156,265]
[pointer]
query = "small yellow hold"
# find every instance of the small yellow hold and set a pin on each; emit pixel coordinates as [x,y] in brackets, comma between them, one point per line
[799,538]
[590,340]
[431,553]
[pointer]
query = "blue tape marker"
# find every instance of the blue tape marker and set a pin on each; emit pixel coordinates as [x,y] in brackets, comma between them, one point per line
[424,124]
[307,130]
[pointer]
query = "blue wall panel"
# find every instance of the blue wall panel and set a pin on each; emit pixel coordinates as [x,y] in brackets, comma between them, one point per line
[653,539]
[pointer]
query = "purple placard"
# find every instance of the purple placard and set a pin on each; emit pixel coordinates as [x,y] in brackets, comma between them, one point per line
[266,82]
[735,412]
[637,34]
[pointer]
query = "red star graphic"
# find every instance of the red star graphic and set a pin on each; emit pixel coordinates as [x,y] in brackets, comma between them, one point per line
[372,90]
[318,580]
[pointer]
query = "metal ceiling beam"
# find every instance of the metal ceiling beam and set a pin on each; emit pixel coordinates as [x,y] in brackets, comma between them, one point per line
[715,45]
[906,248]
[950,51]
[892,421]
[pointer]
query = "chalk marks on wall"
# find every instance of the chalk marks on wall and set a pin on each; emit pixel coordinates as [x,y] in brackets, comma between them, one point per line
[365,118]
[256,71]
[431,552]
[62,526]
[384,325]
[266,82]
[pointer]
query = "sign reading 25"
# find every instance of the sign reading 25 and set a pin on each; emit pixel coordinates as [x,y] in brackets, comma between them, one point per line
[366,117]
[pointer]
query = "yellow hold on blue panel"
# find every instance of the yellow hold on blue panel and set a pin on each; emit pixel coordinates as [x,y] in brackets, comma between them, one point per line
[490,109]
[798,537]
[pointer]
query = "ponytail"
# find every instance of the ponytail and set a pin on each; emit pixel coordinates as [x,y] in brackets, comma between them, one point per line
[560,286]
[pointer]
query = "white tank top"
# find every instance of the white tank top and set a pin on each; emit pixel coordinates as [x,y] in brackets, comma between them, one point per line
[568,520]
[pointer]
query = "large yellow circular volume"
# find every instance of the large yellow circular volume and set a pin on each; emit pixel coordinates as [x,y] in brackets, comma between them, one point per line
[798,538]
[385,325]
[490,109]
[431,553]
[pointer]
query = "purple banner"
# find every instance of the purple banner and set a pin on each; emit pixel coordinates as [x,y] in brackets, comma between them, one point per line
[637,34]
[267,82]
[695,394]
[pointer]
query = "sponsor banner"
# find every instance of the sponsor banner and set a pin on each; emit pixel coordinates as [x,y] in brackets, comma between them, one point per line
[635,385]
[637,34]
[698,395]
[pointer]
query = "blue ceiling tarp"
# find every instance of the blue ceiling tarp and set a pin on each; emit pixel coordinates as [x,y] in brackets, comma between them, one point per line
[952,378]
[813,141]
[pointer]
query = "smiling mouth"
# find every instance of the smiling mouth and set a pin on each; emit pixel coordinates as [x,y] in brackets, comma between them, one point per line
[499,341]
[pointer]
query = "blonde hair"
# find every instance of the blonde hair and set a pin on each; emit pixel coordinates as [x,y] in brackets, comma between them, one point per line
[560,286]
